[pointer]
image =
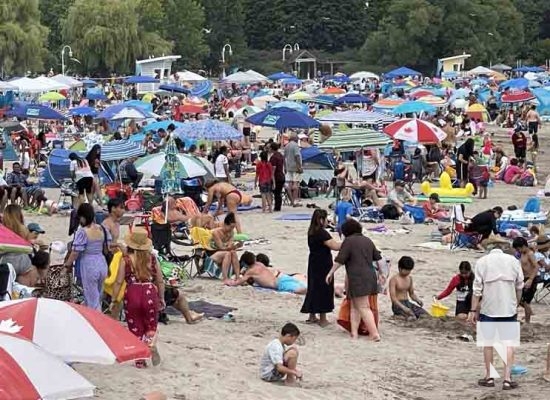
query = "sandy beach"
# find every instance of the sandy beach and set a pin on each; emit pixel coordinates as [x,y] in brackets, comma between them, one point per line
[424,360]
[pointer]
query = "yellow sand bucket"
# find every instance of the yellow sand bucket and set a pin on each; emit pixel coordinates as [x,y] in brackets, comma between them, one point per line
[439,310]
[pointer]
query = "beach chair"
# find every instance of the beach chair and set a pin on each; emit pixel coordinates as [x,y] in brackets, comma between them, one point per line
[202,251]
[460,239]
[365,214]
[161,235]
[543,288]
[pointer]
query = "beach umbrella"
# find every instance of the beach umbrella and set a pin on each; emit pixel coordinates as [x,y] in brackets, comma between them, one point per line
[477,111]
[250,110]
[73,332]
[88,82]
[10,242]
[172,171]
[352,98]
[130,113]
[29,372]
[202,89]
[117,150]
[52,96]
[208,129]
[121,109]
[518,83]
[140,79]
[280,75]
[299,96]
[6,86]
[519,96]
[151,165]
[326,100]
[415,130]
[155,126]
[363,75]
[262,101]
[282,118]
[333,90]
[388,103]
[415,107]
[501,67]
[174,87]
[35,111]
[460,104]
[433,100]
[147,97]
[301,107]
[361,116]
[421,93]
[81,111]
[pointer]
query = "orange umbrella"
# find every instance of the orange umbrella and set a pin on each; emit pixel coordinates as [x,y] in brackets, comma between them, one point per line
[334,90]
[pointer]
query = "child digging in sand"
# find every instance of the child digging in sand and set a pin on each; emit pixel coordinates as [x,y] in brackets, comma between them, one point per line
[280,357]
[402,288]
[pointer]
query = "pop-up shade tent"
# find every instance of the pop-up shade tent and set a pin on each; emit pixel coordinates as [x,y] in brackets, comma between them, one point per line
[402,71]
[543,97]
[317,164]
[57,169]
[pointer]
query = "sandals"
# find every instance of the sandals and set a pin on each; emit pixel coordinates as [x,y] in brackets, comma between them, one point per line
[509,385]
[486,382]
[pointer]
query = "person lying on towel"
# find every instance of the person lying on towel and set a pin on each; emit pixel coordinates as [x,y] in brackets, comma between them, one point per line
[257,273]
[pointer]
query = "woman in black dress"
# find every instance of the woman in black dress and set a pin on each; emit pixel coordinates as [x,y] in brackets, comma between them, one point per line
[94,161]
[358,253]
[464,153]
[320,294]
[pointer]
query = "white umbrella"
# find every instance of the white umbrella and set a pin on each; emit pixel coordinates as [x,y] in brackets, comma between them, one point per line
[67,80]
[28,372]
[27,85]
[363,75]
[188,76]
[5,86]
[129,113]
[261,101]
[241,78]
[151,166]
[460,104]
[481,71]
[52,84]
[255,74]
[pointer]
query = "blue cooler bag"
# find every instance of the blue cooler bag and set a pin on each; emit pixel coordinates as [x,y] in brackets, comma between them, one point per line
[416,212]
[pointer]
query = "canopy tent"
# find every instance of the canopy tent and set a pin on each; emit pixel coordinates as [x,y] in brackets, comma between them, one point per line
[282,118]
[188,76]
[52,84]
[501,67]
[317,164]
[358,117]
[241,78]
[401,71]
[27,85]
[34,111]
[353,98]
[518,83]
[363,75]
[140,79]
[174,87]
[257,75]
[280,75]
[481,71]
[67,80]
[6,86]
[57,169]
[354,139]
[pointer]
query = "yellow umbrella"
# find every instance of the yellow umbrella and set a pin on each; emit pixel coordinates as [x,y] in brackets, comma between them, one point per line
[52,96]
[299,96]
[447,84]
[148,97]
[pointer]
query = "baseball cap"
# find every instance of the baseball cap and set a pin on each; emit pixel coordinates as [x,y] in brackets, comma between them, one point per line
[399,183]
[34,227]
[435,196]
[303,136]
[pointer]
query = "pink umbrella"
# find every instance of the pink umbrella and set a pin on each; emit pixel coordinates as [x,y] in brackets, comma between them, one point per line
[28,372]
[12,243]
[73,332]
[415,130]
[518,96]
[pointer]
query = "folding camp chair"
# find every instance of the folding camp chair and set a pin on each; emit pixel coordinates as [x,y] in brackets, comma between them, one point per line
[459,237]
[161,235]
[202,252]
[543,288]
[365,214]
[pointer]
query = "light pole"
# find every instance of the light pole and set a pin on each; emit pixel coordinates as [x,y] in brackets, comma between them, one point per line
[226,46]
[63,57]
[289,47]
[296,47]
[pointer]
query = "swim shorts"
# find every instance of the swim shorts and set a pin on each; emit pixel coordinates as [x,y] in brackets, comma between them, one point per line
[287,283]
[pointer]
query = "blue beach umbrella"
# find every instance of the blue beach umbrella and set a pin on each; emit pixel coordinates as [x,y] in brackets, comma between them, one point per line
[208,129]
[34,111]
[81,111]
[283,118]
[140,79]
[353,98]
[303,108]
[413,107]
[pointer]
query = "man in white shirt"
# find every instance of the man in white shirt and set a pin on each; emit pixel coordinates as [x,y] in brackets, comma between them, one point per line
[221,166]
[497,289]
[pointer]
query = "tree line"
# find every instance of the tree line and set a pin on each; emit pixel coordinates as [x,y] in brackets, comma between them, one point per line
[107,36]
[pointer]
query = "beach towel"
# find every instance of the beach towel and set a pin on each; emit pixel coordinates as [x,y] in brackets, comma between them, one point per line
[294,217]
[345,313]
[433,246]
[210,310]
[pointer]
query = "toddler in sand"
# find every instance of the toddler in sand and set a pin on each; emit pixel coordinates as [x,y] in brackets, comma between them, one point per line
[280,357]
[402,288]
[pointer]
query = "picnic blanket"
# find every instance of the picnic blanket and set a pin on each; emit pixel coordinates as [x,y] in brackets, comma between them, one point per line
[210,310]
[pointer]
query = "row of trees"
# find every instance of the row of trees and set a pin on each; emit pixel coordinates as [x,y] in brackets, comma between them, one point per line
[107,36]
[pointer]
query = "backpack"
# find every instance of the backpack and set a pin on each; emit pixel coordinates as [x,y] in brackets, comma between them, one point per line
[390,211]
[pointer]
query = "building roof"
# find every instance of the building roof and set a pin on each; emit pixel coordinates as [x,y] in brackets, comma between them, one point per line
[459,57]
[156,59]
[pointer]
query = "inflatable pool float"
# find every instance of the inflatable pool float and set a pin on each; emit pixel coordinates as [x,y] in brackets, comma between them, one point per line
[446,189]
[523,218]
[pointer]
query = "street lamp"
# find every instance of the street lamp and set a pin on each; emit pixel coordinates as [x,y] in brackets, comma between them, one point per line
[289,47]
[296,47]
[226,46]
[63,57]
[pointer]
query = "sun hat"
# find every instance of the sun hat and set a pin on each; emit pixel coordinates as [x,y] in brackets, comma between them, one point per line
[138,240]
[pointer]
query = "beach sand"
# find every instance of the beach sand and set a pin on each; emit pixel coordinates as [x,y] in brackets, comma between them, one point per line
[424,360]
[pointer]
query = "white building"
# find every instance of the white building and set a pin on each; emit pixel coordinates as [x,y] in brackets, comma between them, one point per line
[159,67]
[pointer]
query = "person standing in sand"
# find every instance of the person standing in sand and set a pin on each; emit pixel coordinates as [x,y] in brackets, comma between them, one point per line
[293,169]
[402,289]
[358,253]
[498,288]
[320,294]
[530,268]
[144,294]
[227,195]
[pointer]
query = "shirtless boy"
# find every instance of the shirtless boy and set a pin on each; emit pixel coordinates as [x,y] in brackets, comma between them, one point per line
[402,288]
[258,273]
[115,207]
[530,268]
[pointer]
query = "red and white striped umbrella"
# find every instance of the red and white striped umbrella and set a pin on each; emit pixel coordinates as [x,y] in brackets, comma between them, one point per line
[517,96]
[73,332]
[415,130]
[29,373]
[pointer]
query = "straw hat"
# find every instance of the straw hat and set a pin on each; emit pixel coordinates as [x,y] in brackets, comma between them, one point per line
[138,240]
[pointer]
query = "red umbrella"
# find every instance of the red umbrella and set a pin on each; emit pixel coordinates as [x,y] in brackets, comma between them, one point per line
[12,243]
[191,109]
[415,130]
[421,93]
[518,96]
[73,332]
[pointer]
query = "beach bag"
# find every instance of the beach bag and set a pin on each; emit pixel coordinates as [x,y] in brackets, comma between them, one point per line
[389,211]
[526,179]
[58,283]
[417,213]
[532,205]
[106,251]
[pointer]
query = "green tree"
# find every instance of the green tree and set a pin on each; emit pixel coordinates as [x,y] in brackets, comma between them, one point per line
[264,24]
[151,15]
[52,12]
[105,35]
[224,24]
[22,37]
[184,21]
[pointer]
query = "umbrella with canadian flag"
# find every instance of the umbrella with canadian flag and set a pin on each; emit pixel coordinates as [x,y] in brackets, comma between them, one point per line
[29,373]
[415,130]
[72,332]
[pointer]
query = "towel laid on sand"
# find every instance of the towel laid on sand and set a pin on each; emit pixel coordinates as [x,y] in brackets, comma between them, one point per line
[294,217]
[210,310]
